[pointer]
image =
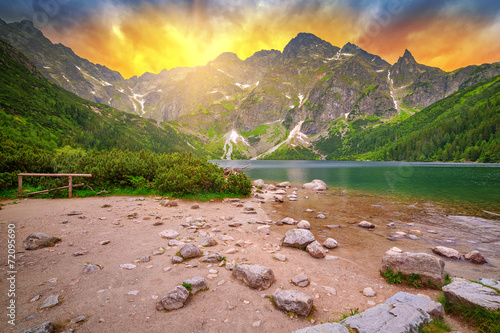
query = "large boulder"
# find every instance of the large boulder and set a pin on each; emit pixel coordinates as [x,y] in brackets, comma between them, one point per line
[258,183]
[471,293]
[293,301]
[174,300]
[38,240]
[324,328]
[434,309]
[255,276]
[189,251]
[447,252]
[299,238]
[316,185]
[389,317]
[429,267]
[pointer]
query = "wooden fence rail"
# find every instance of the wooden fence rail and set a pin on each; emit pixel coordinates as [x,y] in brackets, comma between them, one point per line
[70,182]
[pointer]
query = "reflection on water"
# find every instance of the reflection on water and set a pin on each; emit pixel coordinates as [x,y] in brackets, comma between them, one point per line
[474,185]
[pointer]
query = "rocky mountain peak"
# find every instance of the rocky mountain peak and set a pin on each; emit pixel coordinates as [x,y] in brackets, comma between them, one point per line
[407,58]
[306,42]
[227,57]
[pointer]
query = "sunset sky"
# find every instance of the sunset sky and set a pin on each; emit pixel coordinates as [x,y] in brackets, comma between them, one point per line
[137,36]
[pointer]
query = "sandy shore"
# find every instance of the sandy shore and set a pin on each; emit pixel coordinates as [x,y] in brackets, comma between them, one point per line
[122,300]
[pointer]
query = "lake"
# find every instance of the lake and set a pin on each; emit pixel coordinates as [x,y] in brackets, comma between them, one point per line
[475,186]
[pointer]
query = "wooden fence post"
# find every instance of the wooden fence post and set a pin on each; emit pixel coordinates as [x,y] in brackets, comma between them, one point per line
[19,185]
[70,184]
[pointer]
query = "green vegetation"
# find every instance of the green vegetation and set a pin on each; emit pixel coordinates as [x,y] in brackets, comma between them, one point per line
[45,129]
[462,127]
[486,321]
[436,326]
[411,280]
[187,286]
[292,153]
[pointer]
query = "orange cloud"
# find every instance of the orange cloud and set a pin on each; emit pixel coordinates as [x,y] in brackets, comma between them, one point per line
[151,37]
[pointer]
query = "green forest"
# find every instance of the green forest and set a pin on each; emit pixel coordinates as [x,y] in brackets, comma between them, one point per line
[464,127]
[46,129]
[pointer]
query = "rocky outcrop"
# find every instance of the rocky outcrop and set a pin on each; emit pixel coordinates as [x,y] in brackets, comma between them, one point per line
[470,293]
[324,328]
[255,276]
[316,185]
[293,301]
[39,240]
[434,309]
[298,238]
[429,267]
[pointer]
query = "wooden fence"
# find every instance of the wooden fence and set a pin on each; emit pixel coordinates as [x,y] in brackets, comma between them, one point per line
[69,187]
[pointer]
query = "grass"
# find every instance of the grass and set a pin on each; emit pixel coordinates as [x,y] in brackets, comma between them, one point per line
[485,321]
[187,286]
[411,280]
[436,326]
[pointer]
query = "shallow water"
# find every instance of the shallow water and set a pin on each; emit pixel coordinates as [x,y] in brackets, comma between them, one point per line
[444,203]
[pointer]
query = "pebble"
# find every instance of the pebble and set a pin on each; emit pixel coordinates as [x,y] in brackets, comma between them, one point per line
[133,292]
[128,266]
[369,292]
[280,257]
[256,323]
[104,242]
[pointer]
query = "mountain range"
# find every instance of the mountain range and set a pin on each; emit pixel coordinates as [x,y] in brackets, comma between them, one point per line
[304,102]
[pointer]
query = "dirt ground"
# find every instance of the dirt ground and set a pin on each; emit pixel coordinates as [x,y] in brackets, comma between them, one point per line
[115,299]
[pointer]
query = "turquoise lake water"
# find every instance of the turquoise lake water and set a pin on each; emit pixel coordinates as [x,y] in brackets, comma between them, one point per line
[474,185]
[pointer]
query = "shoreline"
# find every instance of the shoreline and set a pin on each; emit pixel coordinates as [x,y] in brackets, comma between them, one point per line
[104,296]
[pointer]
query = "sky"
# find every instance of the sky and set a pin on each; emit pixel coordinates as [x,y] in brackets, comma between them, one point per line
[137,36]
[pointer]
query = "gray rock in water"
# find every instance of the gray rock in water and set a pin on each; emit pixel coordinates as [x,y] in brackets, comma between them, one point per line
[197,283]
[208,241]
[300,280]
[288,220]
[169,234]
[293,301]
[38,240]
[212,258]
[447,252]
[303,224]
[299,238]
[189,251]
[476,257]
[50,301]
[393,318]
[434,309]
[471,293]
[174,300]
[316,185]
[316,250]
[366,224]
[255,276]
[46,327]
[324,328]
[330,243]
[429,267]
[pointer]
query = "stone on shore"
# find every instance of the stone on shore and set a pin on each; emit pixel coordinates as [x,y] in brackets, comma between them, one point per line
[316,250]
[475,257]
[429,267]
[366,224]
[255,276]
[300,280]
[299,238]
[389,317]
[324,328]
[434,309]
[293,301]
[278,198]
[46,327]
[39,240]
[289,221]
[197,283]
[447,252]
[174,300]
[316,185]
[284,184]
[208,241]
[471,293]
[330,243]
[189,251]
[258,183]
[303,224]
[169,234]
